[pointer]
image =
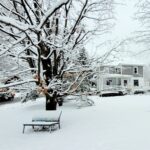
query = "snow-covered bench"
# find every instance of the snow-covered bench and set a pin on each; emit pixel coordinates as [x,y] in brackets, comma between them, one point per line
[45,119]
[50,125]
[48,116]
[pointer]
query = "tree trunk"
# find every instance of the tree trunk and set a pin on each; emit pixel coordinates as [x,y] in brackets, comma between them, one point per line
[51,101]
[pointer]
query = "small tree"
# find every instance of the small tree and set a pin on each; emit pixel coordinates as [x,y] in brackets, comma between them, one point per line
[83,57]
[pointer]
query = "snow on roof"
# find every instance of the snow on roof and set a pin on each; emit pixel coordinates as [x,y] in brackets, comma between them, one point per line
[130,61]
[116,76]
[126,61]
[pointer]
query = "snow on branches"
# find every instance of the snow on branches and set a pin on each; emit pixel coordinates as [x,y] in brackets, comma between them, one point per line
[49,35]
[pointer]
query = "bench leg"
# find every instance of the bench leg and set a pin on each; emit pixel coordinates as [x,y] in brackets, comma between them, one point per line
[23,128]
[50,129]
[53,127]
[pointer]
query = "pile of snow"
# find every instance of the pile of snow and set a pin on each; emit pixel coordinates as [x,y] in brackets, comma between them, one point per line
[113,123]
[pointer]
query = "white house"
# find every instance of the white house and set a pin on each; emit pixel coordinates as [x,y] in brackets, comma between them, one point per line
[122,75]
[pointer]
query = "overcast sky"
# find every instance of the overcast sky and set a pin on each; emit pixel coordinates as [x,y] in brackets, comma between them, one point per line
[125,23]
[125,27]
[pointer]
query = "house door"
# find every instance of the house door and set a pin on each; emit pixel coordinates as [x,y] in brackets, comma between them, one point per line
[125,82]
[136,82]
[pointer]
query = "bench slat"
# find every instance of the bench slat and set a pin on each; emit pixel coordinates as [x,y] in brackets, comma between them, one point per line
[43,124]
[40,123]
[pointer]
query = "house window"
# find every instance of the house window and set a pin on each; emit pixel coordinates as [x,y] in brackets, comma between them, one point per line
[135,70]
[136,82]
[118,70]
[108,82]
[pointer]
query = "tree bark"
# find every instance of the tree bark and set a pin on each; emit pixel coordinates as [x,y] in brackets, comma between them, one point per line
[51,101]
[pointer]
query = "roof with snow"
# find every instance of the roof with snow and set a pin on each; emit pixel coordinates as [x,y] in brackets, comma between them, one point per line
[126,61]
[116,76]
[130,61]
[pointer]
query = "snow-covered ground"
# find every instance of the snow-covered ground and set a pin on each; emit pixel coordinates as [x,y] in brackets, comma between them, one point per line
[114,123]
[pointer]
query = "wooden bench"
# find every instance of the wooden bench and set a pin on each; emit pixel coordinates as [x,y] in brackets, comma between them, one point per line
[40,124]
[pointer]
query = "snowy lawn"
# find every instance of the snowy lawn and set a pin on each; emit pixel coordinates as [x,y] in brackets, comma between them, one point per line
[114,123]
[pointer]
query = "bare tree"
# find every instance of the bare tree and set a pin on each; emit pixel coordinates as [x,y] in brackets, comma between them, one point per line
[48,35]
[143,15]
